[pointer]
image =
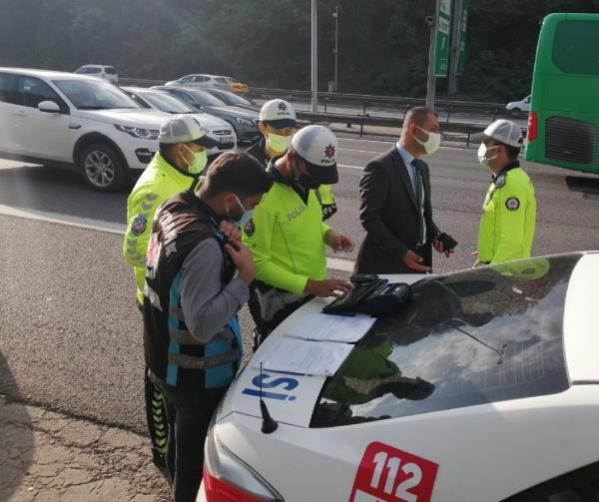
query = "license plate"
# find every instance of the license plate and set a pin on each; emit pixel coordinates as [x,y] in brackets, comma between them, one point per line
[226,139]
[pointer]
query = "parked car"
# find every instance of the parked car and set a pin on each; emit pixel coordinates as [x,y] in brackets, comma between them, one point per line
[215,81]
[245,122]
[161,101]
[56,118]
[102,71]
[519,106]
[483,387]
[232,99]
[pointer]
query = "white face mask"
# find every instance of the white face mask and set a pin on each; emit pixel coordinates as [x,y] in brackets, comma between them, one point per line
[431,145]
[200,159]
[482,154]
[278,143]
[245,217]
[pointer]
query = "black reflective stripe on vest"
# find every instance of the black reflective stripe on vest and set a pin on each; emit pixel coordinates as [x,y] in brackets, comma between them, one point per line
[183,337]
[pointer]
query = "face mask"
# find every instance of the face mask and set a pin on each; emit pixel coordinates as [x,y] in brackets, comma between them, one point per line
[305,180]
[278,143]
[200,159]
[431,145]
[245,217]
[482,154]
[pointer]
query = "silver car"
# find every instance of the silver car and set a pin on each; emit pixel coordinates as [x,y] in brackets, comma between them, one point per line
[102,71]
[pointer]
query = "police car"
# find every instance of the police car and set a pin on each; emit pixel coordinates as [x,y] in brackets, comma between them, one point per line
[483,387]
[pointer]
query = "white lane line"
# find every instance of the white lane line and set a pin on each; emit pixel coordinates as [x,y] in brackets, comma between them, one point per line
[340,264]
[347,166]
[62,219]
[371,152]
[116,228]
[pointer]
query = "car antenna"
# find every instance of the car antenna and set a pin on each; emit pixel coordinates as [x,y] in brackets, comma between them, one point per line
[269,425]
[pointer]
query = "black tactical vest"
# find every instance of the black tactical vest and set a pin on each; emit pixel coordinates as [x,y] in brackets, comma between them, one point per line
[172,353]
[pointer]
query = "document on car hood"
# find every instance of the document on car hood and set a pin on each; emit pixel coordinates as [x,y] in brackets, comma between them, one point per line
[304,357]
[331,328]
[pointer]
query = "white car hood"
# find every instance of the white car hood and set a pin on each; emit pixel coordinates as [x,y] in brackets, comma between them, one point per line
[147,119]
[209,122]
[290,398]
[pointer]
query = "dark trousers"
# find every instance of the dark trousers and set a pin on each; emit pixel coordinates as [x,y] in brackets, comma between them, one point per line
[188,417]
[157,423]
[264,328]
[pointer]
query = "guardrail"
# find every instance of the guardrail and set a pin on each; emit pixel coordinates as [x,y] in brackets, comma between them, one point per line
[466,128]
[365,101]
[369,103]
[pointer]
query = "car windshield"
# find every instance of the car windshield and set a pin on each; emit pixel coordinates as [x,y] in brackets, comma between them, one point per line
[110,70]
[470,338]
[166,103]
[138,100]
[94,95]
[233,99]
[86,70]
[206,99]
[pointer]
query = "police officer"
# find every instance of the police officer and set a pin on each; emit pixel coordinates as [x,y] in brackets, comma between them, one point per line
[287,235]
[174,169]
[277,125]
[192,338]
[507,226]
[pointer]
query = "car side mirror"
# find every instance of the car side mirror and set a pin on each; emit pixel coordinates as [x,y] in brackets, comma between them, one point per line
[48,107]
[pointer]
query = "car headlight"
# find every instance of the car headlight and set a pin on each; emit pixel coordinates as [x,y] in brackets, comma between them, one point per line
[244,122]
[138,132]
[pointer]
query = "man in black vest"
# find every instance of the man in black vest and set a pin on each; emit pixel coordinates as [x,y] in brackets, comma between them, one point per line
[192,338]
[395,209]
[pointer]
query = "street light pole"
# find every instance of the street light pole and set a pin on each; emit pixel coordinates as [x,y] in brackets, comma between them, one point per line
[314,56]
[336,49]
[431,80]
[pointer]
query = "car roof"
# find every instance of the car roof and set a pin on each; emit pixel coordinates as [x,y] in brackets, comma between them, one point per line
[49,74]
[581,343]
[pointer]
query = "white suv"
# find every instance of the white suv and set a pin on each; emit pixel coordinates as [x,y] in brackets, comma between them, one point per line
[55,118]
[98,70]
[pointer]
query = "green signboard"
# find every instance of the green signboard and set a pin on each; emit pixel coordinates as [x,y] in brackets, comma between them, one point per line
[463,30]
[442,38]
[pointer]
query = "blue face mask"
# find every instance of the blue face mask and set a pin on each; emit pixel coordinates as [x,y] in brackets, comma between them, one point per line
[245,217]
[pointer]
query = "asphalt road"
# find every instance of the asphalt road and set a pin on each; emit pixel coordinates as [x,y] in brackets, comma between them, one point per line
[70,336]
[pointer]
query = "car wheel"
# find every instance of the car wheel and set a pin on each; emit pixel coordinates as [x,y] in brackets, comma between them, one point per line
[516,109]
[103,168]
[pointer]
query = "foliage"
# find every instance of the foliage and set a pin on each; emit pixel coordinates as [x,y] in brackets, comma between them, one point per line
[383,44]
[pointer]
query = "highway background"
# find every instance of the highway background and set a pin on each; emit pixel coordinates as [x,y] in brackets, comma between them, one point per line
[70,334]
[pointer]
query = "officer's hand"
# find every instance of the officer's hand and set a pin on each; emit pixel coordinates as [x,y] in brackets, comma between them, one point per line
[413,262]
[328,287]
[231,231]
[338,242]
[242,258]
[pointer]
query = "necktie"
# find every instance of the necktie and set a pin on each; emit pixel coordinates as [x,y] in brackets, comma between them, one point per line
[420,200]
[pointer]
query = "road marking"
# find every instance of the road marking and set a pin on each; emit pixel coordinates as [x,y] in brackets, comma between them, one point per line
[347,166]
[116,228]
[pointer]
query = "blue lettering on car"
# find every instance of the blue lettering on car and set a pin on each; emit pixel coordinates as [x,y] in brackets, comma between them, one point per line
[261,382]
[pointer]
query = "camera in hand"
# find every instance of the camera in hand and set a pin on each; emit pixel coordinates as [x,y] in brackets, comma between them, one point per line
[371,295]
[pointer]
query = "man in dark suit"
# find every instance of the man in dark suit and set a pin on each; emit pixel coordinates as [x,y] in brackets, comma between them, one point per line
[395,207]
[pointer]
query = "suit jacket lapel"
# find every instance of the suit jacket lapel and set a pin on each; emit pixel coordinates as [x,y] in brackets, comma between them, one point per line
[404,175]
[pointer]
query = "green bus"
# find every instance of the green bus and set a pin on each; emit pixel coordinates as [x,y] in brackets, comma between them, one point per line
[563,123]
